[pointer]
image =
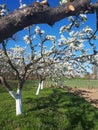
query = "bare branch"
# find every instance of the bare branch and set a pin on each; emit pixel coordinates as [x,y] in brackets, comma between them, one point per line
[37,14]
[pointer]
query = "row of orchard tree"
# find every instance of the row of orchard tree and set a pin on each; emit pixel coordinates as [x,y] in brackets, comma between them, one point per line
[47,56]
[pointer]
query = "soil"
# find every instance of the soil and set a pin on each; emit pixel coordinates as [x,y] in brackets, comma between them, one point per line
[90,94]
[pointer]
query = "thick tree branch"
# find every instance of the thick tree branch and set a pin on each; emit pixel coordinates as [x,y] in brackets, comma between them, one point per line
[37,14]
[9,61]
[4,82]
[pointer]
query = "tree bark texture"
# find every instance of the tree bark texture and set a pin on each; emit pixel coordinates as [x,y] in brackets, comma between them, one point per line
[37,14]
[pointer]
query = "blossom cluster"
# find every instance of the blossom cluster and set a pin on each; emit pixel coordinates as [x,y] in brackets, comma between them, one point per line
[38,30]
[21,4]
[50,37]
[27,39]
[3,10]
[63,1]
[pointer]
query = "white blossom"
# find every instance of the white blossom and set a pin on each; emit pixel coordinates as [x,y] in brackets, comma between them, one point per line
[37,30]
[87,29]
[69,68]
[22,6]
[64,28]
[71,33]
[83,17]
[3,12]
[63,1]
[42,32]
[49,37]
[62,40]
[81,46]
[27,39]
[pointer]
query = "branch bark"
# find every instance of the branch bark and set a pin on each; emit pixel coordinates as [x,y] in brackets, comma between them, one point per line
[9,61]
[37,14]
[4,82]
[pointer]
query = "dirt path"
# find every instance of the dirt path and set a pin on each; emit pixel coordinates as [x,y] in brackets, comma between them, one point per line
[91,95]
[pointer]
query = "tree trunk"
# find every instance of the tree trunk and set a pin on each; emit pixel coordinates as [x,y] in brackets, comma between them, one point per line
[16,96]
[18,100]
[38,89]
[18,103]
[40,86]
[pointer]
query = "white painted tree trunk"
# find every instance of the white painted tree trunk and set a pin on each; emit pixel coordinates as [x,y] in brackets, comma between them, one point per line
[18,100]
[42,85]
[18,103]
[38,89]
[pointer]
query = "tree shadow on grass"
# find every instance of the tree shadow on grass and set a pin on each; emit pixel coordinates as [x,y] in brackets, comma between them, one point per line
[63,111]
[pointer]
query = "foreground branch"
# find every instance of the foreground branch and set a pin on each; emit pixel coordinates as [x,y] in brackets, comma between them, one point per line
[37,14]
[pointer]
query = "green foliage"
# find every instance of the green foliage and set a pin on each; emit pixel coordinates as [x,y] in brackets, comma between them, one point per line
[52,109]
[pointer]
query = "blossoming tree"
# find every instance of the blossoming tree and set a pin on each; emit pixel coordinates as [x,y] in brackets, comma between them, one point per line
[47,55]
[22,63]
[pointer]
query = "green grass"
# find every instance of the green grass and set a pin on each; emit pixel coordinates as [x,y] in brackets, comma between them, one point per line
[81,83]
[52,109]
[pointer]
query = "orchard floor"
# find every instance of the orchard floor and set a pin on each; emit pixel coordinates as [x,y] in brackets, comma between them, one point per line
[90,94]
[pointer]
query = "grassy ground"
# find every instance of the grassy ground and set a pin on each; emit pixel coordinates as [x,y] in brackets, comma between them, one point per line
[81,83]
[53,109]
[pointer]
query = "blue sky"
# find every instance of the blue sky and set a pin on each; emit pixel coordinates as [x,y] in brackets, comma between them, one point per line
[14,4]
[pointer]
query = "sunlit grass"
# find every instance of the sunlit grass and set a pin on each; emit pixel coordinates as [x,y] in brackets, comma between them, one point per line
[52,109]
[85,83]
